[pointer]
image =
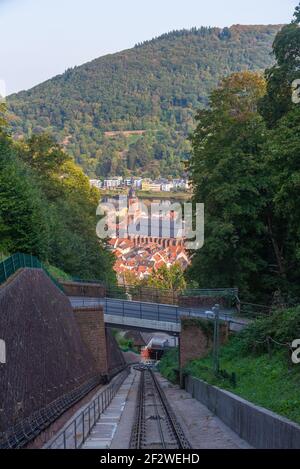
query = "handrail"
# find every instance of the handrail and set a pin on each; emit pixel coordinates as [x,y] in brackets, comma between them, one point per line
[77,432]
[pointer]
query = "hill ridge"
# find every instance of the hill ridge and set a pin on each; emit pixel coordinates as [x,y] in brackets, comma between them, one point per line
[158,84]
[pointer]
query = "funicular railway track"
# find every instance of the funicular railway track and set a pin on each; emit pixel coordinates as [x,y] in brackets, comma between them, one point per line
[155,425]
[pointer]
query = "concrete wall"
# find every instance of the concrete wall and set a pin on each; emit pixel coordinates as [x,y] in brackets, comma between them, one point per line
[90,290]
[194,342]
[261,428]
[92,329]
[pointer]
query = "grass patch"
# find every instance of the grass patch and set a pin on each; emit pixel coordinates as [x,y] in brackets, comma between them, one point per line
[169,366]
[265,374]
[57,273]
[126,345]
[269,381]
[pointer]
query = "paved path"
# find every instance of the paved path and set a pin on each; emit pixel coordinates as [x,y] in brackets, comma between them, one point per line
[121,439]
[203,429]
[103,432]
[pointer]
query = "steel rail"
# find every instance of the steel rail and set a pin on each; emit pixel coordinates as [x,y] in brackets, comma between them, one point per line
[176,428]
[159,399]
[157,418]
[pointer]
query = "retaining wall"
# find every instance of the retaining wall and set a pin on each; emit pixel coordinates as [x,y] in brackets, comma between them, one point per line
[89,290]
[92,329]
[46,357]
[195,342]
[261,428]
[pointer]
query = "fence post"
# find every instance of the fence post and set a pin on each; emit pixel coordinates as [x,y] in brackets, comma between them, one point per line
[216,344]
[4,269]
[75,433]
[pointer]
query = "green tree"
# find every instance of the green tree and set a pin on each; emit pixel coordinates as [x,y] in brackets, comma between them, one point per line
[226,170]
[279,78]
[165,278]
[23,209]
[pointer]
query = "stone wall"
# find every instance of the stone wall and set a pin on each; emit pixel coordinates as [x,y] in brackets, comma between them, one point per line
[89,290]
[196,341]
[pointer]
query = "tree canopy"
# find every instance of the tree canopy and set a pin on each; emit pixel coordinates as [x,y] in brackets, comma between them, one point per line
[154,87]
[245,168]
[47,208]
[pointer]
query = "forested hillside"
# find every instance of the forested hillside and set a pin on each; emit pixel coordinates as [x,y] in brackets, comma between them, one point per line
[155,86]
[47,207]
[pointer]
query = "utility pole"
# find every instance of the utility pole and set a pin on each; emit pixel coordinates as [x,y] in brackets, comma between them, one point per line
[216,344]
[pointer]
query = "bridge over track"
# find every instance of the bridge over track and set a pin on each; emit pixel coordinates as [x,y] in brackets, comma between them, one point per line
[152,316]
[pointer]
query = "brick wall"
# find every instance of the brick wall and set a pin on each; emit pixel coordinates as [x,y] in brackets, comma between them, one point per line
[92,329]
[115,357]
[195,342]
[92,290]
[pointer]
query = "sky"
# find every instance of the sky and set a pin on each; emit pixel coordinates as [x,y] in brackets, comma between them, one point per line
[42,38]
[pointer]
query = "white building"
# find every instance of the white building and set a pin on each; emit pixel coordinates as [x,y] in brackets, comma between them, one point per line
[112,183]
[137,183]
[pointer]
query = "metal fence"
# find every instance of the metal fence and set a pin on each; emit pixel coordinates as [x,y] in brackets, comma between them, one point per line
[76,433]
[12,264]
[15,262]
[30,427]
[227,296]
[252,311]
[150,311]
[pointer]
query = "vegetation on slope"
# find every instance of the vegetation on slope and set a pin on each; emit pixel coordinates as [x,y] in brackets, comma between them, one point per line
[260,358]
[156,86]
[126,345]
[48,209]
[245,168]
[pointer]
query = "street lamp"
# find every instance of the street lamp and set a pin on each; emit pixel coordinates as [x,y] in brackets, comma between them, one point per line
[216,343]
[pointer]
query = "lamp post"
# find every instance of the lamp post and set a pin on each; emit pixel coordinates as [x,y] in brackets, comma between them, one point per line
[216,343]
